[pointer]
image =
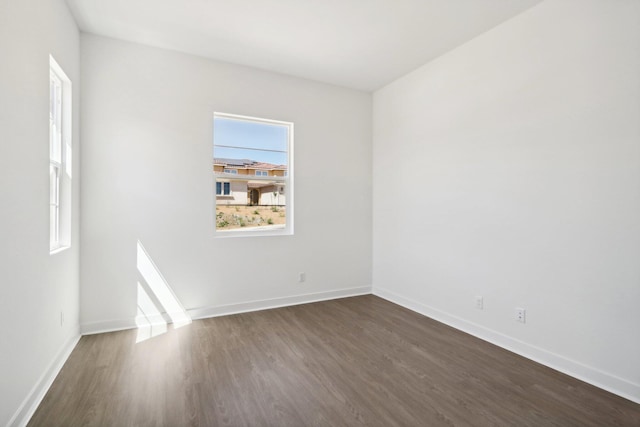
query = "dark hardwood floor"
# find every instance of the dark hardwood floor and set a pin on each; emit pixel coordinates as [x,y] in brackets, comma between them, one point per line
[348,362]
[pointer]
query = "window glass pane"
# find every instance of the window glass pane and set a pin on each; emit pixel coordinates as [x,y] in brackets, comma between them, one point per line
[241,138]
[54,193]
[55,119]
[53,227]
[54,183]
[52,97]
[256,153]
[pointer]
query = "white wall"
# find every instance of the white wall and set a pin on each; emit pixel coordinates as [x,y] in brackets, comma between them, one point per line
[517,157]
[147,152]
[34,286]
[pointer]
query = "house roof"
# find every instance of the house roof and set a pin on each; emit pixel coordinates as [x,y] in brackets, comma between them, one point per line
[247,163]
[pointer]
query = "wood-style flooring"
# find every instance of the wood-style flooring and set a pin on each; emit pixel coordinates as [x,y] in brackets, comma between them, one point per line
[347,362]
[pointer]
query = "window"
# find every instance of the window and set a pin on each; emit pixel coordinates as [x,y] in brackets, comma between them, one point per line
[223,188]
[258,204]
[59,158]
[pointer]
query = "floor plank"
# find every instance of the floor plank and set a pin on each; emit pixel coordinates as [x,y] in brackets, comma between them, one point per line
[348,362]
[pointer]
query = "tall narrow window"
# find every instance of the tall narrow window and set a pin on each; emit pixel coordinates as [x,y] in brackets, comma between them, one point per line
[59,158]
[252,160]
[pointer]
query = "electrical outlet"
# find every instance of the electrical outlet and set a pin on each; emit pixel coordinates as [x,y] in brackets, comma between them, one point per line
[302,277]
[521,315]
[479,302]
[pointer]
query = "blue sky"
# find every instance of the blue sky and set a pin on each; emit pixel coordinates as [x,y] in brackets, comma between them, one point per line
[253,135]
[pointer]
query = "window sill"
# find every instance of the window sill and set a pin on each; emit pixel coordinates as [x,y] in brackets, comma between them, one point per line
[275,230]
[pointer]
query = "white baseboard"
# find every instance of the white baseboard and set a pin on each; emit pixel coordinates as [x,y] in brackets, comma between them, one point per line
[225,310]
[37,393]
[104,326]
[588,374]
[244,307]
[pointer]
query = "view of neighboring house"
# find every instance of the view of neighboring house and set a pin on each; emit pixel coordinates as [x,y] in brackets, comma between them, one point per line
[248,182]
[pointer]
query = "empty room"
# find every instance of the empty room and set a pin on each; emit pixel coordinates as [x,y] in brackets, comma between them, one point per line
[320,213]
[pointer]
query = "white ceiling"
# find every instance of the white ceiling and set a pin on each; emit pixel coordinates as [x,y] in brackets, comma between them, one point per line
[362,44]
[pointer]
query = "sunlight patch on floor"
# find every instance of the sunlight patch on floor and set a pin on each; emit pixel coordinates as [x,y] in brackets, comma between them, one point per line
[157,304]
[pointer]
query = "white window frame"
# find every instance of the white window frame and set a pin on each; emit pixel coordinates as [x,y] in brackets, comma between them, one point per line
[231,171]
[222,187]
[262,173]
[286,180]
[60,156]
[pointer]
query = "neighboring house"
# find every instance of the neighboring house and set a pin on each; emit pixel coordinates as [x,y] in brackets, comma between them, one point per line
[248,182]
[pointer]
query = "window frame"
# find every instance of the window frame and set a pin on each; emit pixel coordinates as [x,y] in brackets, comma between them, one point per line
[287,181]
[60,158]
[55,157]
[225,188]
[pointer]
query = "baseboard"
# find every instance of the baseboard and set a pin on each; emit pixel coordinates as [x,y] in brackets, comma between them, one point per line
[104,326]
[37,393]
[225,310]
[244,307]
[593,376]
